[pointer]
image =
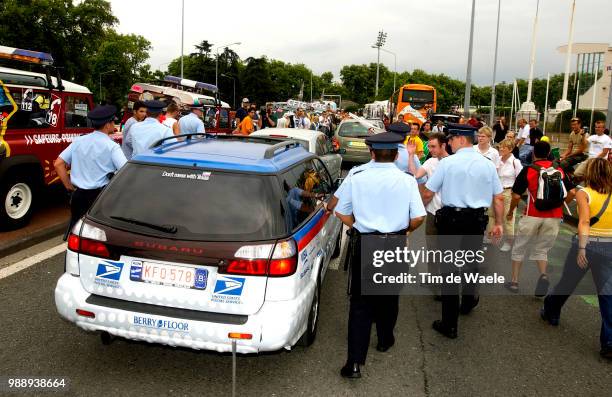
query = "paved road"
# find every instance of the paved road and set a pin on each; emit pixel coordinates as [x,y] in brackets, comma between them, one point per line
[503,349]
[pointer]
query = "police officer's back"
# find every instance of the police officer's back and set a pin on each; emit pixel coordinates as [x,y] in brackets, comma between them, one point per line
[91,158]
[468,183]
[144,134]
[192,123]
[378,199]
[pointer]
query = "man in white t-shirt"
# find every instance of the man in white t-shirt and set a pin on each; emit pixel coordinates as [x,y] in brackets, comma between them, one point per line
[524,143]
[600,145]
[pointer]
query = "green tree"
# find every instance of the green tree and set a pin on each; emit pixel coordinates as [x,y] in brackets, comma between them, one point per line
[71,32]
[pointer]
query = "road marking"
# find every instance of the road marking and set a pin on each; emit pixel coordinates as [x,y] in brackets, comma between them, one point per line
[24,264]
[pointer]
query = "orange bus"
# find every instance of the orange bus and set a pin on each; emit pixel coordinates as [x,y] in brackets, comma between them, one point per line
[421,98]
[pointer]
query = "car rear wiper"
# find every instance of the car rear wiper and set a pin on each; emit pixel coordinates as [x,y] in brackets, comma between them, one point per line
[163,228]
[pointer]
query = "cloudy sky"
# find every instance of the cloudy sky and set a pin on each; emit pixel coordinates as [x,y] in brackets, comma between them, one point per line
[326,34]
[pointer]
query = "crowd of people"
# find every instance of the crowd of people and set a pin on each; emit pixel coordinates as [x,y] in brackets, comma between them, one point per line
[471,183]
[464,180]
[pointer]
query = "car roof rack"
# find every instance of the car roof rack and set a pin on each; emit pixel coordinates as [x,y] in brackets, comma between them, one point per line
[186,136]
[279,143]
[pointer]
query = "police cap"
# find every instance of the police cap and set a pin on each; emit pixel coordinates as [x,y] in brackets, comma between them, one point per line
[402,129]
[155,106]
[102,114]
[384,140]
[455,129]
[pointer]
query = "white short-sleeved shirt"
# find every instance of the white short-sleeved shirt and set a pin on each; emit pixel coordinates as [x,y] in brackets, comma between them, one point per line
[373,195]
[492,154]
[169,122]
[508,171]
[597,144]
[524,134]
[430,166]
[91,158]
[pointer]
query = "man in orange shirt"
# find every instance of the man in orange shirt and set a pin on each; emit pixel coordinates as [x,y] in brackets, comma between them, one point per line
[246,125]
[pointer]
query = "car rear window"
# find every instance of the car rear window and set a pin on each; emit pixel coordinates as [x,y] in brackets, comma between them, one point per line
[192,204]
[353,130]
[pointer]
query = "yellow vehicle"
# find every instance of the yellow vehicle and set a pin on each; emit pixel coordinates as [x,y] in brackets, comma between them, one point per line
[415,102]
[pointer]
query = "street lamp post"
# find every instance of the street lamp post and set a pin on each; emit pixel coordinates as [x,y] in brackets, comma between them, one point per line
[217,60]
[492,110]
[182,34]
[394,64]
[100,81]
[468,75]
[380,41]
[234,84]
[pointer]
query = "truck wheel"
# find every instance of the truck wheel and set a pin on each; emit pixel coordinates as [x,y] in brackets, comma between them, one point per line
[313,318]
[17,199]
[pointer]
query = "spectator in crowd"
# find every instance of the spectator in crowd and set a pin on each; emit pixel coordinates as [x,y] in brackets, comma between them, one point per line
[461,120]
[301,121]
[538,227]
[535,133]
[524,143]
[576,148]
[268,118]
[414,139]
[400,118]
[139,113]
[509,169]
[474,122]
[243,111]
[439,127]
[246,126]
[600,146]
[591,248]
[484,135]
[512,136]
[500,130]
[255,118]
[171,121]
[425,130]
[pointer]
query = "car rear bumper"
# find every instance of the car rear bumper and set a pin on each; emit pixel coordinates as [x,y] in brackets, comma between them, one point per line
[275,326]
[354,156]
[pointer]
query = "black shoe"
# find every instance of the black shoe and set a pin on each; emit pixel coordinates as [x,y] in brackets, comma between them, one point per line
[542,286]
[606,352]
[384,347]
[449,332]
[350,371]
[466,309]
[551,320]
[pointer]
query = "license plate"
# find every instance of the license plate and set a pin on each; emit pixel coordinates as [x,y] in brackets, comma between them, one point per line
[357,144]
[177,276]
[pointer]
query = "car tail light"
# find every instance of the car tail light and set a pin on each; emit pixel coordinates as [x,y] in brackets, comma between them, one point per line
[335,144]
[284,259]
[258,260]
[88,240]
[87,246]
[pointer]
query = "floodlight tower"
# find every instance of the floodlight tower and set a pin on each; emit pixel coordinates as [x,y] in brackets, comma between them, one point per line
[380,41]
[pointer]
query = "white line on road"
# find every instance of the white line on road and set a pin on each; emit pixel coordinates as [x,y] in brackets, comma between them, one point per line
[24,264]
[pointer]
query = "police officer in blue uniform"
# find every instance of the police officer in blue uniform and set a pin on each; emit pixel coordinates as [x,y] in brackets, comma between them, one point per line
[365,205]
[91,159]
[468,183]
[150,130]
[192,123]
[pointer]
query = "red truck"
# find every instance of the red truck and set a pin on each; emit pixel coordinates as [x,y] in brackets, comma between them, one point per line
[40,115]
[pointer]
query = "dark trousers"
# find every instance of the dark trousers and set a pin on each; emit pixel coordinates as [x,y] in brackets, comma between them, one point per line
[568,164]
[80,201]
[366,309]
[599,255]
[459,229]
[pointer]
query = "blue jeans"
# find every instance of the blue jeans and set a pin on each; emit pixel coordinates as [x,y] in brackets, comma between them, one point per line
[599,255]
[525,152]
